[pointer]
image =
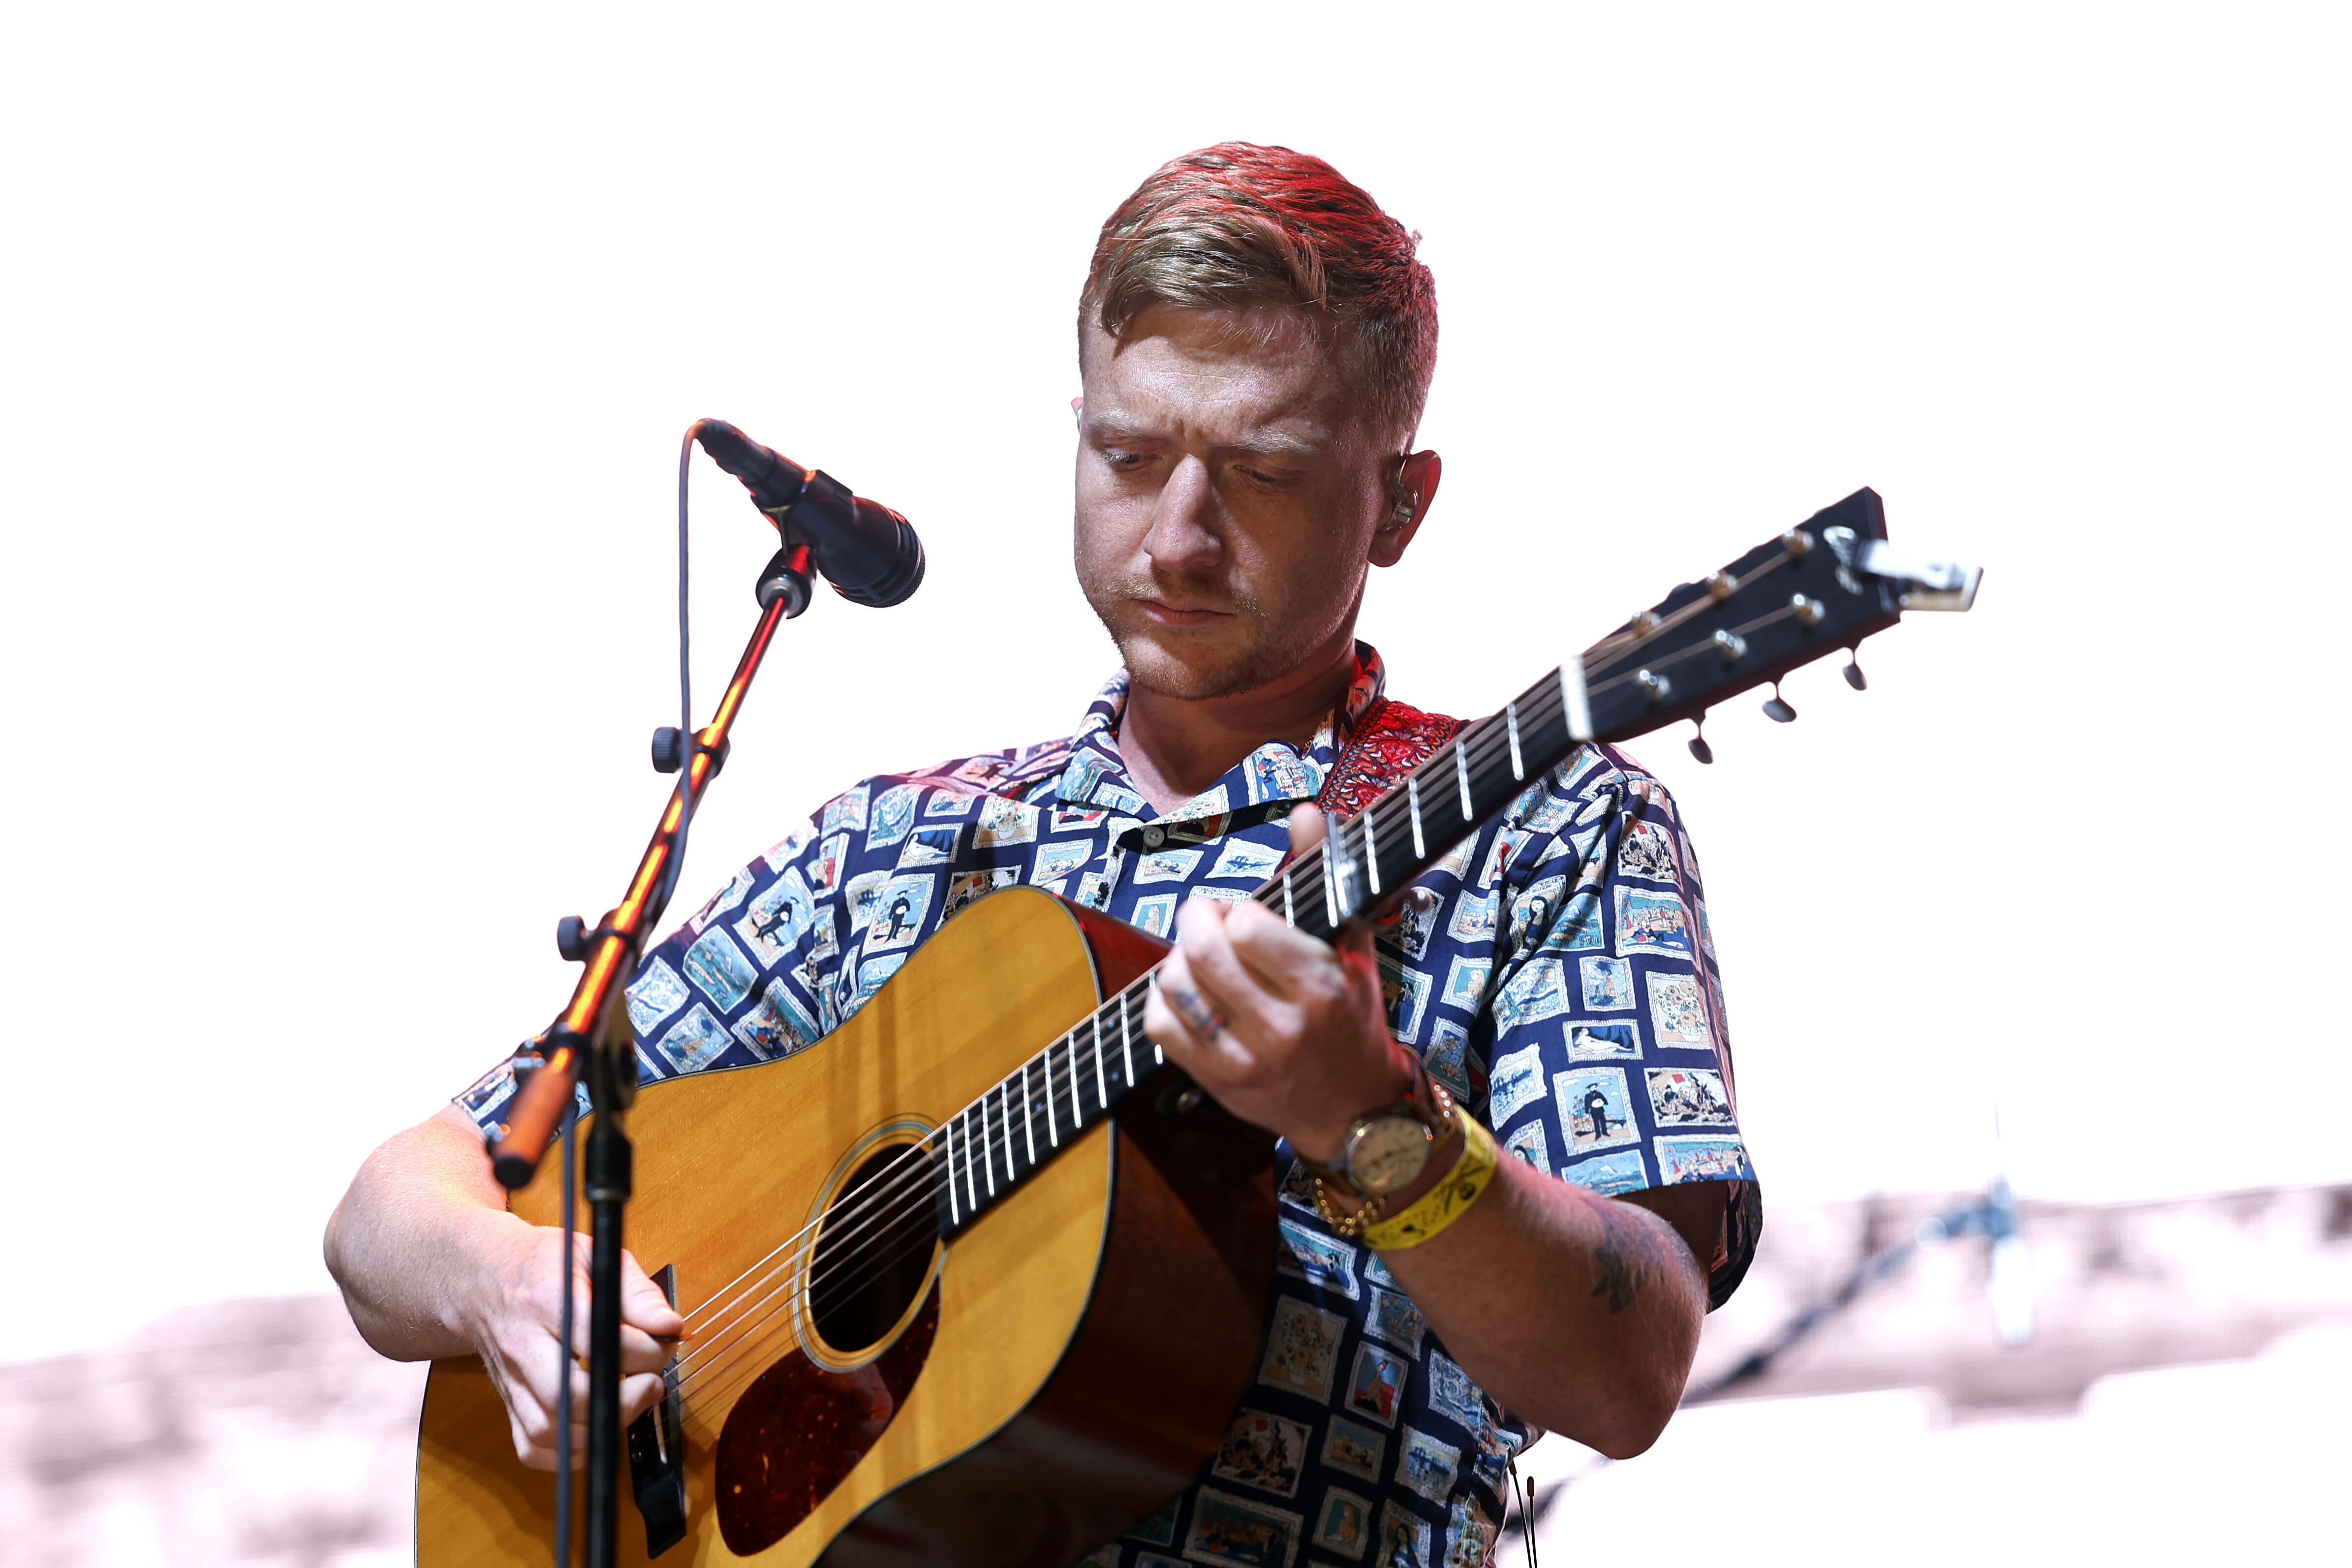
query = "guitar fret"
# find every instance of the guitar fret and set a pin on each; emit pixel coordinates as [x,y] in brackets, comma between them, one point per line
[1126,1042]
[1412,809]
[947,1137]
[1012,1150]
[1052,1137]
[1004,1110]
[1002,1135]
[1576,705]
[1330,890]
[986,1148]
[1158,1055]
[1289,914]
[1102,1092]
[1004,1120]
[1461,778]
[1372,855]
[971,1187]
[1511,720]
[1028,1116]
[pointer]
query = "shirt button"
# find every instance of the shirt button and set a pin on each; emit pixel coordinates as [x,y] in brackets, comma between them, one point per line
[1154,837]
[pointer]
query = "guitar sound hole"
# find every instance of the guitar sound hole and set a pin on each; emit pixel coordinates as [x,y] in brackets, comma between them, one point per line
[875,1250]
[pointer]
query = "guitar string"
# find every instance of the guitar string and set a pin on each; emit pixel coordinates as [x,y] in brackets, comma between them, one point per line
[866,1202]
[830,1282]
[870,1209]
[1602,654]
[1488,738]
[869,1212]
[849,1223]
[1067,1040]
[827,1273]
[826,1277]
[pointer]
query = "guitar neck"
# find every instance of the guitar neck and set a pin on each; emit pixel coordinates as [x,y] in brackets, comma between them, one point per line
[1365,861]
[1821,586]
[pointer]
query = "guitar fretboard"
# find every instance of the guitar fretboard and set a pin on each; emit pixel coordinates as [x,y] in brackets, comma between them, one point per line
[989,1148]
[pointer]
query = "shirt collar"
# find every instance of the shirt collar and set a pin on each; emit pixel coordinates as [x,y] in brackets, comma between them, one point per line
[1096,777]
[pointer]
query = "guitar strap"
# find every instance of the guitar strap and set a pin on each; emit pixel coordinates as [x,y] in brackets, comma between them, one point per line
[1391,739]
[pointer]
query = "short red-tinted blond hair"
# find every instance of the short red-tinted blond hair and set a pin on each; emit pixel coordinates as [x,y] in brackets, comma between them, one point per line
[1242,227]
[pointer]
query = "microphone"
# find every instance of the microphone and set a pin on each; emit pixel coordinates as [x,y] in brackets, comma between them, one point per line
[868,552]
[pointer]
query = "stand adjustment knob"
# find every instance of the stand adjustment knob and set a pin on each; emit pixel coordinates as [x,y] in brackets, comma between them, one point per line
[571,938]
[668,751]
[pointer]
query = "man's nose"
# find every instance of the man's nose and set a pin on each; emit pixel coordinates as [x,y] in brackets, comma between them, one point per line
[1184,537]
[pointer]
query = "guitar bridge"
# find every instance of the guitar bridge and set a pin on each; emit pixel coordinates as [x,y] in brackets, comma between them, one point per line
[657,1454]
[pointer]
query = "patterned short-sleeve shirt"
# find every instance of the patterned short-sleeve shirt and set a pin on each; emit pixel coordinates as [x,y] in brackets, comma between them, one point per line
[1560,977]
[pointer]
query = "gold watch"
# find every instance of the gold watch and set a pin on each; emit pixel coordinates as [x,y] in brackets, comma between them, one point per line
[1387,1149]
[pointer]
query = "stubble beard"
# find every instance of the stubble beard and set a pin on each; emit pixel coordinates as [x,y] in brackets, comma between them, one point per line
[1259,647]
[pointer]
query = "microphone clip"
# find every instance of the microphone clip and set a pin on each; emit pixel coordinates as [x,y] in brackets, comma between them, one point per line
[786,575]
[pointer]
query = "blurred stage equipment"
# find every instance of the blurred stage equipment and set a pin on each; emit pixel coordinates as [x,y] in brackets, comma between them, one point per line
[871,556]
[2009,1291]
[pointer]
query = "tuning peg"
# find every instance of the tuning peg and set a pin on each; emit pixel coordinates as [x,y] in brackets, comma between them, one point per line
[1777,708]
[1852,673]
[1698,746]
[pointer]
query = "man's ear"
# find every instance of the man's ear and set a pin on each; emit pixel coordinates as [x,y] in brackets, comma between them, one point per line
[1409,502]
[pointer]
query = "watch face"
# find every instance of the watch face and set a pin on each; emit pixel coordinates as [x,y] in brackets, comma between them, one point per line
[1388,1154]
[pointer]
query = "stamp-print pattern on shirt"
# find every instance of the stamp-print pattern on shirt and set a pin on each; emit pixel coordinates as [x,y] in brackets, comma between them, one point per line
[1561,960]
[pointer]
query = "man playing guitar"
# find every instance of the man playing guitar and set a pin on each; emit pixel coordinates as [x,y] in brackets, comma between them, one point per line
[1256,344]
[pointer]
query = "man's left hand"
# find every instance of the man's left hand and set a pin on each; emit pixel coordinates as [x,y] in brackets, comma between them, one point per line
[1285,1031]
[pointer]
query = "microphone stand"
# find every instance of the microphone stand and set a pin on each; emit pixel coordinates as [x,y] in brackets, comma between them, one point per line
[591,1039]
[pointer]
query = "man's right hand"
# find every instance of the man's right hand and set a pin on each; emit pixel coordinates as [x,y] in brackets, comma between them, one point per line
[433,1264]
[515,1329]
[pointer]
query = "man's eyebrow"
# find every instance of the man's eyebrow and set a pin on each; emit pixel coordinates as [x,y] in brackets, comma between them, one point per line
[1274,444]
[1115,425]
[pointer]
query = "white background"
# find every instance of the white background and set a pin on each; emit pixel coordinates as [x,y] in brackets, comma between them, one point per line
[346,352]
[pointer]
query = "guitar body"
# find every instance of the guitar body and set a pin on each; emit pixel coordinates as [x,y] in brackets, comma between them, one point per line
[1062,1366]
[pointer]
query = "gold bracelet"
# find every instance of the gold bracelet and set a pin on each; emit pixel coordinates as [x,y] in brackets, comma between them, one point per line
[1347,1226]
[1446,1202]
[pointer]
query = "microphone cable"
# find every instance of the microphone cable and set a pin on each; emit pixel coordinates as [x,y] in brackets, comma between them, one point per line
[685,741]
[658,905]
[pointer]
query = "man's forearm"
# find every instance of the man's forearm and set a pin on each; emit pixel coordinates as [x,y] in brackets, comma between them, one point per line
[1579,1312]
[422,1221]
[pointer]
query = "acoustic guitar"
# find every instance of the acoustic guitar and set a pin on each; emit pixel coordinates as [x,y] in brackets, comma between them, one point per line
[977,1278]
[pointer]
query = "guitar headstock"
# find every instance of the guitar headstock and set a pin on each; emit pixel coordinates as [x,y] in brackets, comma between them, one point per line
[1822,586]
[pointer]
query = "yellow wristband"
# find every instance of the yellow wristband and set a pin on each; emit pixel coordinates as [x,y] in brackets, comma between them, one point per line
[1444,1204]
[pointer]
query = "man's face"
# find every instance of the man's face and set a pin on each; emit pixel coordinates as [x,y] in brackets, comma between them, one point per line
[1228,495]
